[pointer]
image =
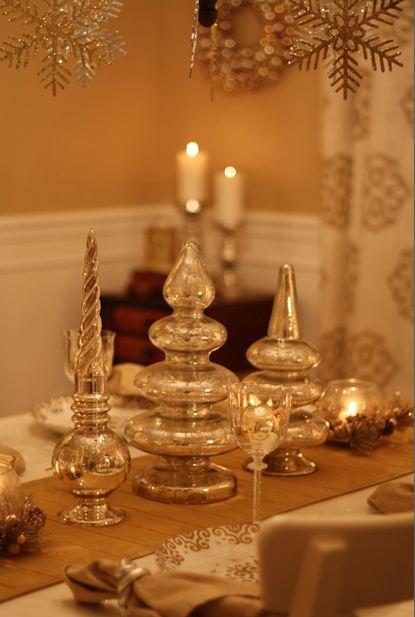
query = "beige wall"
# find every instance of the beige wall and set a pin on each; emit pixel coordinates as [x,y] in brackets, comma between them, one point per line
[115,141]
[87,147]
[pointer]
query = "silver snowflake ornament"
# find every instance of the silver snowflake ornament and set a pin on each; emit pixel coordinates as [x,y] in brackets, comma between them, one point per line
[346,28]
[65,30]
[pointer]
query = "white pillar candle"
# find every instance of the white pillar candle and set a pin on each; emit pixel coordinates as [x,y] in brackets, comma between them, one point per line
[192,166]
[229,189]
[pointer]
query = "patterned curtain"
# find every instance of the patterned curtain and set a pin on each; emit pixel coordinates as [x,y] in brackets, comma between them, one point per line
[367,225]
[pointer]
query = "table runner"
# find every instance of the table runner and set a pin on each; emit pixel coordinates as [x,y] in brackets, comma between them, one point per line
[150,523]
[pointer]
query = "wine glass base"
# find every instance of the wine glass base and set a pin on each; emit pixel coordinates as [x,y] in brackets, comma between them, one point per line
[92,515]
[168,485]
[285,463]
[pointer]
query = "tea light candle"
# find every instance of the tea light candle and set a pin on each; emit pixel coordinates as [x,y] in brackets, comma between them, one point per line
[229,187]
[192,166]
[353,408]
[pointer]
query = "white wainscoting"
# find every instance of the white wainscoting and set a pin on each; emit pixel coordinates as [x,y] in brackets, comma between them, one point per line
[41,260]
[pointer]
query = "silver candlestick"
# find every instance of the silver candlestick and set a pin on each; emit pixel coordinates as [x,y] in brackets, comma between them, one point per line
[192,215]
[227,282]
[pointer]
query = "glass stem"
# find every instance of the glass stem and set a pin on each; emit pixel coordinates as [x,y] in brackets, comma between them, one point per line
[257,490]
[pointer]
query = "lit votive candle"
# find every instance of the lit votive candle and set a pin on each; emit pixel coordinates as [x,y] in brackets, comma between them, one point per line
[229,195]
[192,166]
[346,398]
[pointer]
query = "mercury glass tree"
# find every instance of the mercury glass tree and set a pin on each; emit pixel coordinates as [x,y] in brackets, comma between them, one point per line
[186,428]
[283,358]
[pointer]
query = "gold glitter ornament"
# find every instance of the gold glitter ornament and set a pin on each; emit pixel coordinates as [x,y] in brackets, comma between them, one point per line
[346,28]
[19,530]
[64,30]
[239,68]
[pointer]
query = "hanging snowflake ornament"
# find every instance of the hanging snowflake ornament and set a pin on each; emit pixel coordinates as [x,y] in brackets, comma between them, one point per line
[347,28]
[65,30]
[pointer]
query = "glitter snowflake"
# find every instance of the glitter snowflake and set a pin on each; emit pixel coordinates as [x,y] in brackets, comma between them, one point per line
[65,30]
[346,28]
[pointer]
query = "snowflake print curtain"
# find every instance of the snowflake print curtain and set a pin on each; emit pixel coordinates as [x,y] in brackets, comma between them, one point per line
[367,226]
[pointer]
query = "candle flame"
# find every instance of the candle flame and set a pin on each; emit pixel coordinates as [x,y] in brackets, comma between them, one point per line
[193,206]
[192,149]
[352,408]
[230,172]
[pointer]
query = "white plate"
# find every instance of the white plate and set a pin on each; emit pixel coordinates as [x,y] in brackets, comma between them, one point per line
[56,413]
[224,551]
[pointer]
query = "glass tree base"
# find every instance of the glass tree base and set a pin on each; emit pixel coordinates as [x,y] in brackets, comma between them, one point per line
[284,462]
[185,480]
[94,512]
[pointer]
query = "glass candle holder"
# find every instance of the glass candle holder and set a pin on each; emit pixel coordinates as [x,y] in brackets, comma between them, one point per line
[71,350]
[10,490]
[344,399]
[9,480]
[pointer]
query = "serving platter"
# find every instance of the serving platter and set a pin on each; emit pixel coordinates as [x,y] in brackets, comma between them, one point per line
[56,413]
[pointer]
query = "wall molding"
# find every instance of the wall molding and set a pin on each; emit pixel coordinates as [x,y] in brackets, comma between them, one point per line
[57,240]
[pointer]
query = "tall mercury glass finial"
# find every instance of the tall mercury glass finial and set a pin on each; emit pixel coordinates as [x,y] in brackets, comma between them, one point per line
[283,358]
[91,460]
[186,428]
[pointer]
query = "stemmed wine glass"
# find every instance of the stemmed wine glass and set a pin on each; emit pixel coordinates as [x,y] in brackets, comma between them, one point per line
[259,416]
[71,350]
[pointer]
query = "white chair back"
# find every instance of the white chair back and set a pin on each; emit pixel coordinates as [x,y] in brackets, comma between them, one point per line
[330,566]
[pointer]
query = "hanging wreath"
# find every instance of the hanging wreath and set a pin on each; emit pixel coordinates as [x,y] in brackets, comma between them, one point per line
[237,68]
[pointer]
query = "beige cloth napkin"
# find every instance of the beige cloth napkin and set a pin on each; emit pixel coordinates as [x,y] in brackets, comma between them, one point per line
[121,380]
[392,497]
[171,594]
[19,462]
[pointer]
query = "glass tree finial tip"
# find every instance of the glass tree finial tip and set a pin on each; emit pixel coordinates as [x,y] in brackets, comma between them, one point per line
[284,317]
[188,283]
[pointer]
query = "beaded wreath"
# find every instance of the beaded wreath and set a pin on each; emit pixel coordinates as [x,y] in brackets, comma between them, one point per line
[236,68]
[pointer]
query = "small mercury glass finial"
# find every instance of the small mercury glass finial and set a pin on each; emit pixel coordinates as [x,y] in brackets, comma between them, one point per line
[284,318]
[284,359]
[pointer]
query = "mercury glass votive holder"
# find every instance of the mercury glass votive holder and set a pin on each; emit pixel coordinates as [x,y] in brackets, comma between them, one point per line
[9,480]
[347,398]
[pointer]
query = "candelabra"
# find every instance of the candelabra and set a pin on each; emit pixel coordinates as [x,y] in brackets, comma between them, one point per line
[284,359]
[185,429]
[91,460]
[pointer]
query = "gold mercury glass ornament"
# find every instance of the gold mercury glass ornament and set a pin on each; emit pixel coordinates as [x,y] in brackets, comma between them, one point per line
[185,429]
[91,460]
[283,358]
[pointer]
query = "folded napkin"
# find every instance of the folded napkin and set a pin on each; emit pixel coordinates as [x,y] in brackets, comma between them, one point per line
[19,462]
[121,380]
[392,497]
[171,594]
